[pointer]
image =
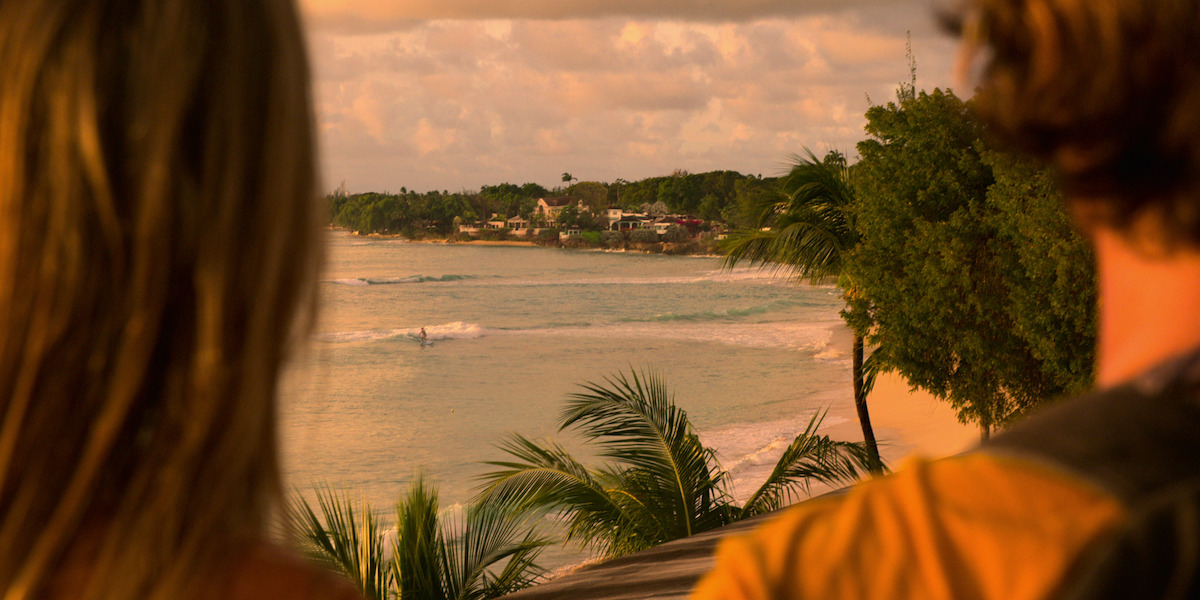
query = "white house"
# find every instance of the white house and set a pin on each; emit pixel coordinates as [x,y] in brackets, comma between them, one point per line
[611,215]
[662,224]
[548,208]
[518,225]
[630,221]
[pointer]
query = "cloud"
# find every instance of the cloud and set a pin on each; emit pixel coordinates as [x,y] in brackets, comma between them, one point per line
[381,15]
[456,104]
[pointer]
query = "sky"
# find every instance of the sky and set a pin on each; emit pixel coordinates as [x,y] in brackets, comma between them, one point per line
[457,94]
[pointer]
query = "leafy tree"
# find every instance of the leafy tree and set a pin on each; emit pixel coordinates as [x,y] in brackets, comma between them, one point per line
[1047,269]
[750,196]
[588,221]
[662,483]
[594,195]
[810,234]
[533,190]
[568,217]
[490,552]
[676,234]
[932,267]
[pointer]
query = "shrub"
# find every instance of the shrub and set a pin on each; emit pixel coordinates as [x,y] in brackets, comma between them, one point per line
[613,239]
[676,234]
[494,234]
[643,236]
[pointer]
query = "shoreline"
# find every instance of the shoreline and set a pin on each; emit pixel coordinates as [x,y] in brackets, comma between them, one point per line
[907,423]
[691,248]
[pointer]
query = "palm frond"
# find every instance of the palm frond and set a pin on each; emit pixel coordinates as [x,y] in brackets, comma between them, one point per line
[345,539]
[636,422]
[492,534]
[809,234]
[419,556]
[546,476]
[810,457]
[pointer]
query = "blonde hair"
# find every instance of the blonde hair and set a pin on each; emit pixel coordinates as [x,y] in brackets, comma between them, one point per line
[158,235]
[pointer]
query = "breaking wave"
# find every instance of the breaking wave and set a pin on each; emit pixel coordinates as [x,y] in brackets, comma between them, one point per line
[398,280]
[446,331]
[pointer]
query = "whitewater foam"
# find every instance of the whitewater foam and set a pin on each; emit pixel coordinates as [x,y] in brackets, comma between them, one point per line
[749,451]
[813,337]
[398,279]
[457,330]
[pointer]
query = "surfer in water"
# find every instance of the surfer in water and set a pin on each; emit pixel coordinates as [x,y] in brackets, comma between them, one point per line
[424,337]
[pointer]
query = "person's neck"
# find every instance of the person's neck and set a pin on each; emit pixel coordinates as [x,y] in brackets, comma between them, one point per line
[1149,307]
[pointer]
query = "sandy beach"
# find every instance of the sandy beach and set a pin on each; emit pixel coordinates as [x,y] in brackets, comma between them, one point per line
[493,243]
[907,423]
[396,236]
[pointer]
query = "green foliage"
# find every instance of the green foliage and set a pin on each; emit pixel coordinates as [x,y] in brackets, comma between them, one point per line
[676,234]
[494,235]
[592,237]
[808,232]
[490,552]
[568,217]
[660,482]
[643,235]
[613,239]
[715,195]
[594,196]
[1047,269]
[939,271]
[344,539]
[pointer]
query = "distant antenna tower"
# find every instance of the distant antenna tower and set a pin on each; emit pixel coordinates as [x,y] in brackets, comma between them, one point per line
[908,91]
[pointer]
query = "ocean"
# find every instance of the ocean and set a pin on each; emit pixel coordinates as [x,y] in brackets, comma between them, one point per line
[514,331]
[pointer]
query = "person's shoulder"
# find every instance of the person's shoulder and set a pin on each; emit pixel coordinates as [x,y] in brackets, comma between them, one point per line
[958,527]
[265,571]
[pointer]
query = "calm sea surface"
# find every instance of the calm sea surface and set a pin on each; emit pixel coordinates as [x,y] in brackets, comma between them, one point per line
[515,330]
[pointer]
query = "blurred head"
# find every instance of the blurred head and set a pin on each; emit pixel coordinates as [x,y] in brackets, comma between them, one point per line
[1107,91]
[158,236]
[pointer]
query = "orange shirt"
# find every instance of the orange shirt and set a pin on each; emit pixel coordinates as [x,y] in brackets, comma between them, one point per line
[979,526]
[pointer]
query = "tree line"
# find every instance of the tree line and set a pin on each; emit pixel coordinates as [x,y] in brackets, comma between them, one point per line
[722,196]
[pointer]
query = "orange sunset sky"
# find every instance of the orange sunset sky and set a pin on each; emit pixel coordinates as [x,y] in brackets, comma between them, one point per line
[455,94]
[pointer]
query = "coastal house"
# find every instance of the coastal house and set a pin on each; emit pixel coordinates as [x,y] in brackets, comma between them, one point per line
[518,225]
[548,208]
[611,215]
[495,221]
[630,221]
[661,224]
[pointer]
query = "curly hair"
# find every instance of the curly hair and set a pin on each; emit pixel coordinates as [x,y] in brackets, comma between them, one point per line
[1106,91]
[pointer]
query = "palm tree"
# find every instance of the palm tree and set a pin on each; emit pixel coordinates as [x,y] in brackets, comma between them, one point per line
[662,483]
[810,235]
[428,560]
